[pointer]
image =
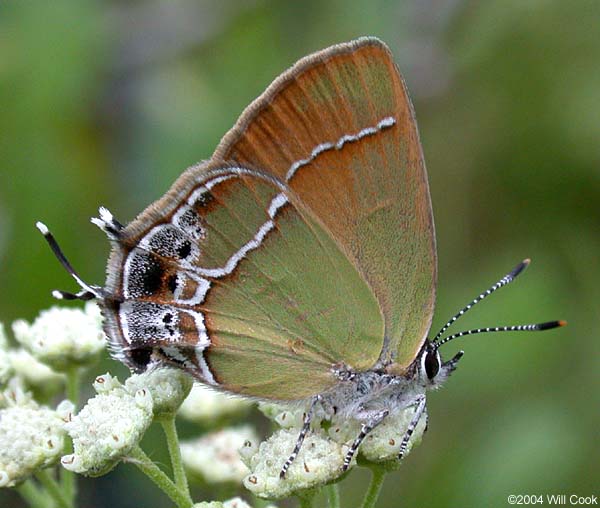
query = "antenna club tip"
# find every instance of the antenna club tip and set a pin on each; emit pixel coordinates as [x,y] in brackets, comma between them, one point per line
[57,294]
[42,228]
[551,324]
[519,268]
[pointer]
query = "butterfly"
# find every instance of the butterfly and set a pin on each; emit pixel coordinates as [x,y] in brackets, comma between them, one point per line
[299,262]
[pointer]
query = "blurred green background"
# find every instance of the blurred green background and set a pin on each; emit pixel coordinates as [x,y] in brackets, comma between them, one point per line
[105,103]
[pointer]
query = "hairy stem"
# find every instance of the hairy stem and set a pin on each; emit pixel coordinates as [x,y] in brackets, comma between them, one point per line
[32,494]
[151,470]
[378,475]
[53,489]
[307,499]
[333,495]
[170,430]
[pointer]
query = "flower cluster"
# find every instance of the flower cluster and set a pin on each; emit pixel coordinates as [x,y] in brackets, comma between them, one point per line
[108,427]
[215,456]
[113,422]
[322,454]
[63,337]
[31,436]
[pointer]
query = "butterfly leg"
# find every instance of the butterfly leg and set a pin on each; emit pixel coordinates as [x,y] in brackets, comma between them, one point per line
[305,428]
[420,407]
[364,431]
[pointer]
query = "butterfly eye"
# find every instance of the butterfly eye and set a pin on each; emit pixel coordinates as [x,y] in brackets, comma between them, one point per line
[432,364]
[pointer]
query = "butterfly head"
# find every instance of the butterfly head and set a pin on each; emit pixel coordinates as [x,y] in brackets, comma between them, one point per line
[433,371]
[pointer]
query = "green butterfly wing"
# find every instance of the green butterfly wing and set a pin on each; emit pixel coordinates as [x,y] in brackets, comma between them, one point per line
[227,266]
[339,129]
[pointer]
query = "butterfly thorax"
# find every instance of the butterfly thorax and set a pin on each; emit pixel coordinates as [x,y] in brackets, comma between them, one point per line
[360,395]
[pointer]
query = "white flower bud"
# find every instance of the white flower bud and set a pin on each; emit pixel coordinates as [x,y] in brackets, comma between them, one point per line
[204,405]
[106,382]
[320,460]
[31,438]
[65,410]
[107,428]
[247,450]
[169,388]
[284,416]
[63,337]
[215,456]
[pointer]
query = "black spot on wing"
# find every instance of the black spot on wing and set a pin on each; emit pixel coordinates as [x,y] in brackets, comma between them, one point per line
[146,273]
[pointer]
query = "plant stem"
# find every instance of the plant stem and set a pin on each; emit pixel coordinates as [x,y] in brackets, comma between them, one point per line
[72,387]
[30,493]
[170,430]
[151,470]
[378,475]
[333,495]
[67,478]
[260,503]
[53,489]
[306,499]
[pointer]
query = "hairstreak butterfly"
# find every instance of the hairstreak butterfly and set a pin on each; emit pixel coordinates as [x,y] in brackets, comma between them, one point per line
[299,262]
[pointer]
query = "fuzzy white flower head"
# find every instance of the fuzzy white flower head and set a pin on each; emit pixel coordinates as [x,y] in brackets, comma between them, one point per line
[31,437]
[169,388]
[320,460]
[216,456]
[383,443]
[204,405]
[32,371]
[6,370]
[107,428]
[63,337]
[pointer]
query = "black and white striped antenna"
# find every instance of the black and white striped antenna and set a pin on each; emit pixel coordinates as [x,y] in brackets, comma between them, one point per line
[88,292]
[539,327]
[437,341]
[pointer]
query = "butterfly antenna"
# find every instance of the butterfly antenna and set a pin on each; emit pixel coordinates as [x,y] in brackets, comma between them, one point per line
[88,292]
[507,279]
[516,328]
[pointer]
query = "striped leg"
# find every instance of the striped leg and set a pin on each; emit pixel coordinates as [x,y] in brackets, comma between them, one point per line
[420,403]
[305,428]
[364,431]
